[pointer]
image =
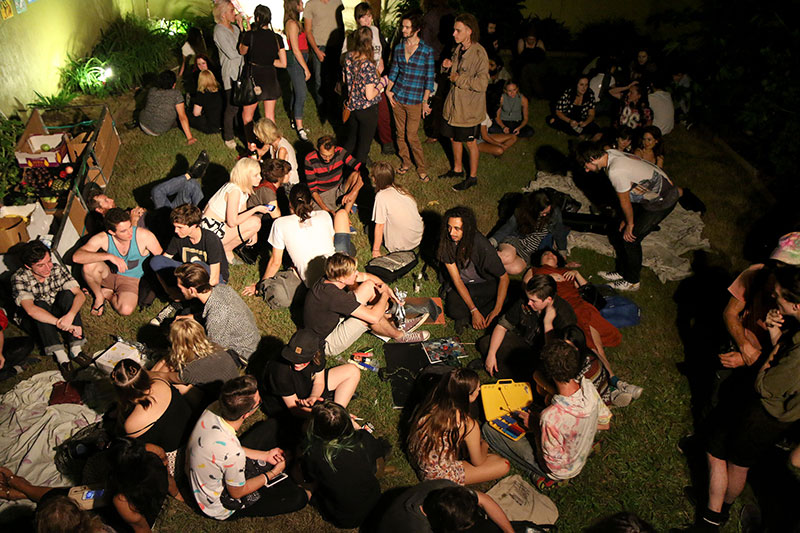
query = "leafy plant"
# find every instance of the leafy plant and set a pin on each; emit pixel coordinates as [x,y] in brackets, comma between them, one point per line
[553,32]
[10,130]
[611,37]
[88,75]
[57,101]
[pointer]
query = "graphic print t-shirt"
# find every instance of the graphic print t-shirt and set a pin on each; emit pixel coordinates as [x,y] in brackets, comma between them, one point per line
[647,184]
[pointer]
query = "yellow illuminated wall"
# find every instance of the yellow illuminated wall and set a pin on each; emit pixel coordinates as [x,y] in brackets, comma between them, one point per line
[35,44]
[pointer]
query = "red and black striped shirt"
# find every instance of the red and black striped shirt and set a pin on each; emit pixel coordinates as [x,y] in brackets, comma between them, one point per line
[322,176]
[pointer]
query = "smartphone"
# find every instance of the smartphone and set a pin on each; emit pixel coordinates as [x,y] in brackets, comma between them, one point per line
[93,494]
[277,479]
[270,208]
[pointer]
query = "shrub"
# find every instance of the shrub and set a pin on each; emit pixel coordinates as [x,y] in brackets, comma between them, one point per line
[10,130]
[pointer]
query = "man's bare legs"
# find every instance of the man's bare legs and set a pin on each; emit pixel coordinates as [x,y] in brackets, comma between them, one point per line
[366,294]
[474,155]
[458,153]
[343,380]
[123,303]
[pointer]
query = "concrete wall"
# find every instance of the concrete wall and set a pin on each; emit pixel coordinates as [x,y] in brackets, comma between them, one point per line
[35,43]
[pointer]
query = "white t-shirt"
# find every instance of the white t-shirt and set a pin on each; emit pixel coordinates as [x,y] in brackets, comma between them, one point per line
[596,82]
[646,183]
[403,225]
[663,111]
[214,456]
[308,243]
[218,204]
[291,158]
[376,44]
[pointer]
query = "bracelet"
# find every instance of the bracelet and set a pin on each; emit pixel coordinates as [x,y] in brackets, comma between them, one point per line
[266,478]
[473,310]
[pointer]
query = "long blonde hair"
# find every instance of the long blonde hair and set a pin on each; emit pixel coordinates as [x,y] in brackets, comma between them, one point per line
[266,131]
[188,342]
[207,82]
[241,171]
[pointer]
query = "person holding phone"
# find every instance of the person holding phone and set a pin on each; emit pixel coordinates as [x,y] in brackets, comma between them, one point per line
[233,477]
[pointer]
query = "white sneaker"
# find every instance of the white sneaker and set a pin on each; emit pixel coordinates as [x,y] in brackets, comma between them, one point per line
[303,134]
[414,336]
[231,144]
[610,275]
[633,390]
[622,285]
[412,324]
[168,311]
[620,398]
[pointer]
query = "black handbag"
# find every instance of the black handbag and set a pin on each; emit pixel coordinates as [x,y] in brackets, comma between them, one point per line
[244,89]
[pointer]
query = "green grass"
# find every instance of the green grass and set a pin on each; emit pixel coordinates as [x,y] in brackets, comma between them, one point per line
[638,467]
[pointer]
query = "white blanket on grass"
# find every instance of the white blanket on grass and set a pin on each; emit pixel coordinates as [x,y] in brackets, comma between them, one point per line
[30,430]
[681,232]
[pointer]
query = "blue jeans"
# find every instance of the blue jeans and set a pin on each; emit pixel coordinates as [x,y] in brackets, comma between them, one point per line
[521,452]
[316,75]
[181,190]
[164,267]
[299,90]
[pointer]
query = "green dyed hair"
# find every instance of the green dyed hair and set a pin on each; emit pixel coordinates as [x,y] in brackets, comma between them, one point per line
[331,427]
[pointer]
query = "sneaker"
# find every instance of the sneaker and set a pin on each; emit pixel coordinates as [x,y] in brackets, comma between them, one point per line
[168,312]
[610,275]
[620,398]
[633,390]
[411,324]
[198,168]
[231,144]
[542,483]
[452,174]
[466,184]
[66,370]
[414,336]
[303,134]
[622,285]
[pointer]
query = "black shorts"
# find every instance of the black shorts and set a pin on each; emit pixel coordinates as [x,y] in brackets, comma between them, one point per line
[461,134]
[742,436]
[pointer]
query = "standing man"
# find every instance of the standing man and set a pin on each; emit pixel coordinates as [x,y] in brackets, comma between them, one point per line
[465,106]
[320,19]
[646,196]
[126,248]
[410,86]
[52,298]
[228,320]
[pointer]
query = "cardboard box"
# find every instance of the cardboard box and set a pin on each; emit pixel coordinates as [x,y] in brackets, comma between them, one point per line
[30,154]
[13,230]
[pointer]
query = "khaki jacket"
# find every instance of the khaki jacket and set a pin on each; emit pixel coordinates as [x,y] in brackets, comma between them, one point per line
[465,105]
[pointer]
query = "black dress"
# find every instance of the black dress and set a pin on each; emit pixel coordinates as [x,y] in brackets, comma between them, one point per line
[262,51]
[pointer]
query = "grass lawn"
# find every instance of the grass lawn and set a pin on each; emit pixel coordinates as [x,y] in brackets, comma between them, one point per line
[638,467]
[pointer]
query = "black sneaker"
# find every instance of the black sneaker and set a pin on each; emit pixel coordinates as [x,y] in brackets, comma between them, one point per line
[452,174]
[466,184]
[198,168]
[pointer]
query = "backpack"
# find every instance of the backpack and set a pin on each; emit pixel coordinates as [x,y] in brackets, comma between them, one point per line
[280,290]
[393,266]
[621,312]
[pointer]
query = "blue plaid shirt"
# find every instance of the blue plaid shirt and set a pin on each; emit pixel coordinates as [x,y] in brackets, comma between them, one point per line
[413,77]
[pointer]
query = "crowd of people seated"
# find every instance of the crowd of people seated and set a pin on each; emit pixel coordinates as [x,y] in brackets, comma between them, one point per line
[180,421]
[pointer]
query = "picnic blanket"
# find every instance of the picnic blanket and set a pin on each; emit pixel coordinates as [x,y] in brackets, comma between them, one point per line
[681,232]
[30,430]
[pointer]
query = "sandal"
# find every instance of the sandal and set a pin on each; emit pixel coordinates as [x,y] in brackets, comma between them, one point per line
[543,483]
[424,178]
[98,311]
[402,170]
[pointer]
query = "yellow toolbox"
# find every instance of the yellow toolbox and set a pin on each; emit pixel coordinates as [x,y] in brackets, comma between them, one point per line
[500,400]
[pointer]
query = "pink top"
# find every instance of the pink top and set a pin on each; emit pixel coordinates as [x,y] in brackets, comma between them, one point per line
[757,302]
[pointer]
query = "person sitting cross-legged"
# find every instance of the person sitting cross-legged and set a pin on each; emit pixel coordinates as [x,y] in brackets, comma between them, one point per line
[299,377]
[567,427]
[232,477]
[52,298]
[191,244]
[125,248]
[346,303]
[228,320]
